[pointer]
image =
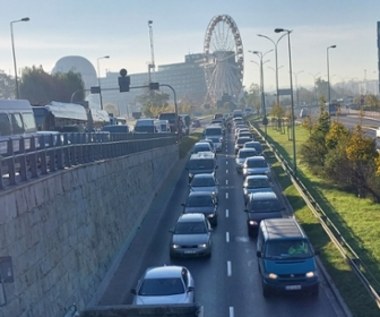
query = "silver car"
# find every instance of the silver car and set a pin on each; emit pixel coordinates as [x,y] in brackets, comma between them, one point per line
[164,285]
[191,236]
[242,155]
[204,182]
[256,165]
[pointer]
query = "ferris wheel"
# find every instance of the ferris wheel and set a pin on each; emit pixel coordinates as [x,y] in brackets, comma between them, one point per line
[224,59]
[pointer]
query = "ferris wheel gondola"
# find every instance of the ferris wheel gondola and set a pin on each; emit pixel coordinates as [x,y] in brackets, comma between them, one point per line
[224,59]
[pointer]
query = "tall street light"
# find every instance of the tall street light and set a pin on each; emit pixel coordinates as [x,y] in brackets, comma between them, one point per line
[100,89]
[14,53]
[328,73]
[280,30]
[275,43]
[261,56]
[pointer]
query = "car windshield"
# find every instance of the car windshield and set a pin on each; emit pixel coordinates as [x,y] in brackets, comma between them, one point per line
[288,249]
[245,154]
[257,183]
[200,201]
[201,148]
[243,140]
[265,205]
[256,163]
[213,131]
[203,182]
[161,287]
[190,228]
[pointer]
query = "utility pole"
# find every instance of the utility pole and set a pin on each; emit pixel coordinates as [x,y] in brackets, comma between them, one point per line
[151,65]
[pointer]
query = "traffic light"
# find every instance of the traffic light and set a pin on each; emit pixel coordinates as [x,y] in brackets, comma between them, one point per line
[154,86]
[124,81]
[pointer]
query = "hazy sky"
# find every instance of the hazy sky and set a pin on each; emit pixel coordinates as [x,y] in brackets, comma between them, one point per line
[94,28]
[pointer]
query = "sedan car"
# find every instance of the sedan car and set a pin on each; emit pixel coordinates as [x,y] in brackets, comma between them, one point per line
[242,155]
[262,205]
[201,147]
[255,184]
[204,182]
[164,285]
[255,145]
[191,236]
[255,165]
[239,143]
[202,202]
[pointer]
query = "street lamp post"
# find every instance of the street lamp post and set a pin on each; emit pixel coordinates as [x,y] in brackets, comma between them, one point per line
[100,89]
[328,73]
[276,66]
[14,53]
[280,30]
[261,56]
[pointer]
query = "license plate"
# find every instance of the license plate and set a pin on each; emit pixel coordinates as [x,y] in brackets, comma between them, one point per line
[293,287]
[189,252]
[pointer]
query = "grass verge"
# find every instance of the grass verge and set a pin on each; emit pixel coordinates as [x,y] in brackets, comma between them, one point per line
[357,219]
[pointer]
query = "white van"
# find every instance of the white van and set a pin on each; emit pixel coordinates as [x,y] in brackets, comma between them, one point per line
[164,126]
[16,121]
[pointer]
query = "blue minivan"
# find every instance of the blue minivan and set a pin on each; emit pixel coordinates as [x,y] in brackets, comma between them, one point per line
[286,258]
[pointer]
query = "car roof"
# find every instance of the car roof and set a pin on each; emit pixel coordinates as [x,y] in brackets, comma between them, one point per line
[253,142]
[204,175]
[282,228]
[247,149]
[201,193]
[263,195]
[203,155]
[256,158]
[164,271]
[257,176]
[192,217]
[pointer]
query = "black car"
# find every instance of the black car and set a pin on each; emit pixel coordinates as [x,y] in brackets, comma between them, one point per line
[202,202]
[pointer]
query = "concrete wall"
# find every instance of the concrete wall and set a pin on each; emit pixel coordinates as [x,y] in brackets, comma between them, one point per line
[64,230]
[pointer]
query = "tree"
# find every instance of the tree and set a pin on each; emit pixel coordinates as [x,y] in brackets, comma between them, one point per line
[253,98]
[154,102]
[7,86]
[40,87]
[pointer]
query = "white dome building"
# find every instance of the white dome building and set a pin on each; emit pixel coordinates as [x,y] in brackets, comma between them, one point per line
[77,64]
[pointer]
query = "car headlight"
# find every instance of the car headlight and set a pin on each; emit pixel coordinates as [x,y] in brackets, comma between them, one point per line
[272,276]
[311,274]
[210,215]
[175,246]
[253,223]
[202,246]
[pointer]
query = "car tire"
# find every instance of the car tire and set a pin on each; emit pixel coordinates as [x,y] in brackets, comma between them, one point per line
[266,291]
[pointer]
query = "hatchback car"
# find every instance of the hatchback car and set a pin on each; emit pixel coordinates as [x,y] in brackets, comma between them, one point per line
[202,202]
[256,165]
[204,182]
[256,145]
[191,236]
[255,184]
[201,147]
[242,155]
[239,143]
[164,285]
[262,205]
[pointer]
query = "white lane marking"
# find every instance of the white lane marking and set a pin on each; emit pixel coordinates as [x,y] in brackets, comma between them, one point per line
[226,171]
[227,195]
[226,162]
[231,311]
[229,268]
[226,181]
[227,213]
[227,237]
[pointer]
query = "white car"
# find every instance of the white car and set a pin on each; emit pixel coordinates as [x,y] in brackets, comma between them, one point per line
[378,132]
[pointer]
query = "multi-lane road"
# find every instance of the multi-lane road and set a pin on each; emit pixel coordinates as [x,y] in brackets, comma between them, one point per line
[227,284]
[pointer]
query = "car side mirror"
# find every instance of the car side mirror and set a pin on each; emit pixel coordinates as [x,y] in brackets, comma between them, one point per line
[246,210]
[317,252]
[190,289]
[258,253]
[171,230]
[183,204]
[133,291]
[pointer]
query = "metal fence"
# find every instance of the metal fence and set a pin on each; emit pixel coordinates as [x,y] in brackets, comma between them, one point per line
[34,156]
[358,265]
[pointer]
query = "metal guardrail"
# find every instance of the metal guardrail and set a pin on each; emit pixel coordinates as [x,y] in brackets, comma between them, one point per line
[329,227]
[41,155]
